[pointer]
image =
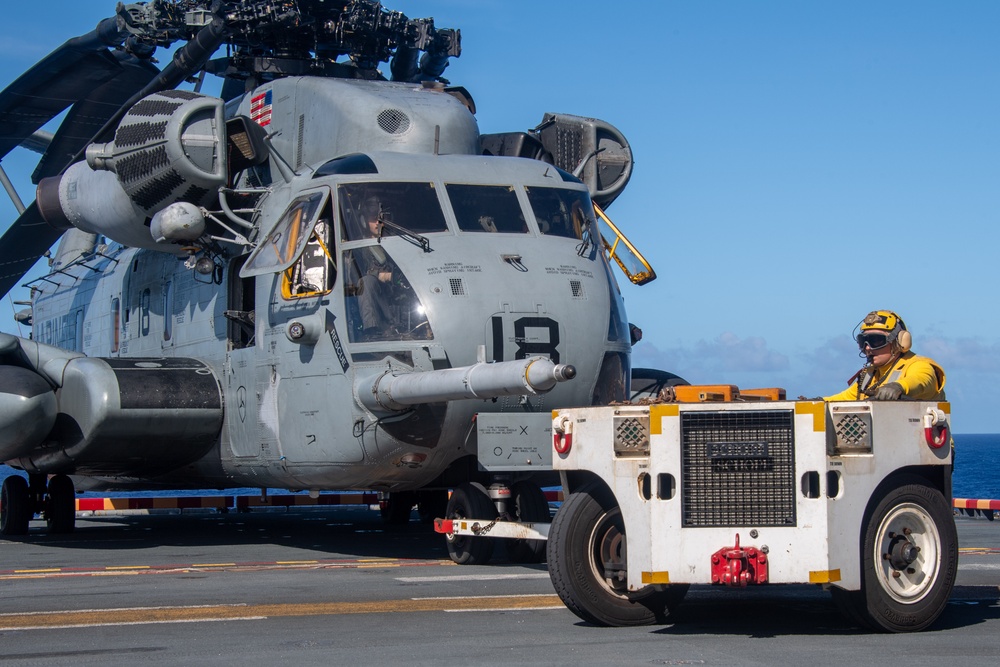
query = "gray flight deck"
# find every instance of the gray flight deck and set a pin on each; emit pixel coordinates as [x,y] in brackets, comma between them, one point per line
[335,586]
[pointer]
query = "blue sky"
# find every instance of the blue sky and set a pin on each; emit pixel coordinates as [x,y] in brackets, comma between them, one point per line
[798,164]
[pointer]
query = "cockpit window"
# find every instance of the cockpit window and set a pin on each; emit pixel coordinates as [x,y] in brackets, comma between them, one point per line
[375,209]
[487,208]
[380,303]
[282,246]
[561,212]
[316,270]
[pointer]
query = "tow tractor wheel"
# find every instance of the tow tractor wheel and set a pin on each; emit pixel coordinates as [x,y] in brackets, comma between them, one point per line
[470,501]
[587,563]
[528,504]
[15,506]
[60,508]
[909,560]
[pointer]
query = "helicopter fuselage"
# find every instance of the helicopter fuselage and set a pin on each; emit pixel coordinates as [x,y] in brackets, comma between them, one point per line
[459,259]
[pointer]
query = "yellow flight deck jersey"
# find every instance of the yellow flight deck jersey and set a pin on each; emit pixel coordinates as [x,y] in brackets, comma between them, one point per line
[922,379]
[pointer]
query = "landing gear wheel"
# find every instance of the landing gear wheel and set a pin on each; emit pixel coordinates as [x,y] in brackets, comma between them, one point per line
[470,501]
[587,564]
[432,504]
[15,506]
[908,563]
[528,504]
[398,508]
[60,508]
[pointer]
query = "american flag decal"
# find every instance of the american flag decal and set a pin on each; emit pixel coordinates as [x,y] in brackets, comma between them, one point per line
[260,109]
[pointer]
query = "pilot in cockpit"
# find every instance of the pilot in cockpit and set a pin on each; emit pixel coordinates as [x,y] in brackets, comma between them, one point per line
[376,274]
[371,214]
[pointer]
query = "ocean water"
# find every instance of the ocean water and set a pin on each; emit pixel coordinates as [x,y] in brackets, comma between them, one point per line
[977,466]
[976,475]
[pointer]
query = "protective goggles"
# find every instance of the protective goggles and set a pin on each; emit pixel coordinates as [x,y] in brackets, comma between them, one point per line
[873,340]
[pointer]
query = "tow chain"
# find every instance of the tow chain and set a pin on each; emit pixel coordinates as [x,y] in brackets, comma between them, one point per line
[485,529]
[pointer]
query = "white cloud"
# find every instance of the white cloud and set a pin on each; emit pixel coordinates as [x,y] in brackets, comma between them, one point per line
[728,353]
[968,354]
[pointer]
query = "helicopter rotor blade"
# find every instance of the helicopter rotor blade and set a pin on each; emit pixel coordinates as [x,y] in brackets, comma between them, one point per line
[22,245]
[88,116]
[109,91]
[65,76]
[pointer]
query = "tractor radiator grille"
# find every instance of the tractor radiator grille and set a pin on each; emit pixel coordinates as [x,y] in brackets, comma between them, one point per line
[738,468]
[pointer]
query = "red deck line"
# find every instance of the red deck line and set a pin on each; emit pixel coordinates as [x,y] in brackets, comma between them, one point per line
[239,502]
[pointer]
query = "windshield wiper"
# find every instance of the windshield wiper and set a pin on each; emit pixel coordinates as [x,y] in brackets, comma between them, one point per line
[412,237]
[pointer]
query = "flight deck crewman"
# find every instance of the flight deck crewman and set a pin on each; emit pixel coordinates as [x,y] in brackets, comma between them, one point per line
[893,372]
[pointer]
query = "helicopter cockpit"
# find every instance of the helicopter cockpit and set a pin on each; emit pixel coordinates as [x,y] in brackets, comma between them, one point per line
[380,303]
[393,248]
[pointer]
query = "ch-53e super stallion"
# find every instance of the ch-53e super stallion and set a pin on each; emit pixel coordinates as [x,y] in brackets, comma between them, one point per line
[315,281]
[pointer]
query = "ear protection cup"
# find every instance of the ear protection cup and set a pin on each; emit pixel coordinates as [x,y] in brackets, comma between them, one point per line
[904,340]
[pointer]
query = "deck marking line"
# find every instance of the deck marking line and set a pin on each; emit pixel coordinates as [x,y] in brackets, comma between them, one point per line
[296,562]
[499,597]
[16,614]
[473,577]
[181,568]
[493,610]
[39,571]
[64,619]
[108,625]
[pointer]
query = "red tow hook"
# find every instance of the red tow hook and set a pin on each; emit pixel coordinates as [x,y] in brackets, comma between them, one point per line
[733,566]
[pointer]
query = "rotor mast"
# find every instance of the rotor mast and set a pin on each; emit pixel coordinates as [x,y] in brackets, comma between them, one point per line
[268,39]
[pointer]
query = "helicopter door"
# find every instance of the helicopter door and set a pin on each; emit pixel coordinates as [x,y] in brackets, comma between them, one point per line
[241,369]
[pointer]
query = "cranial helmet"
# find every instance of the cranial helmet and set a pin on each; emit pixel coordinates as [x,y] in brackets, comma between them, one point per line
[889,323]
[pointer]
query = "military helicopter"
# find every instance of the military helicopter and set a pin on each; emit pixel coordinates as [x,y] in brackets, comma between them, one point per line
[314,282]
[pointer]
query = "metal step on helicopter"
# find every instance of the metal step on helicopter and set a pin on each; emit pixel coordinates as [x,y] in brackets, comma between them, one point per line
[315,281]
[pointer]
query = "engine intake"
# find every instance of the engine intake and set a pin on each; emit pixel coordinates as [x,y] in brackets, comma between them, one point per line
[169,147]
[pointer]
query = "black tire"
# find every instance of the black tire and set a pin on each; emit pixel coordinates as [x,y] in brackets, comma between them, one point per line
[399,507]
[587,560]
[470,501]
[650,382]
[528,504]
[60,508]
[15,506]
[909,560]
[432,504]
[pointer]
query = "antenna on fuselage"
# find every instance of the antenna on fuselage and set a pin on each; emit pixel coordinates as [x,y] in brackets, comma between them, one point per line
[284,167]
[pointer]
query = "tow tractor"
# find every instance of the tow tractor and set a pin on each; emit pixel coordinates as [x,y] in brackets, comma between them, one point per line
[744,489]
